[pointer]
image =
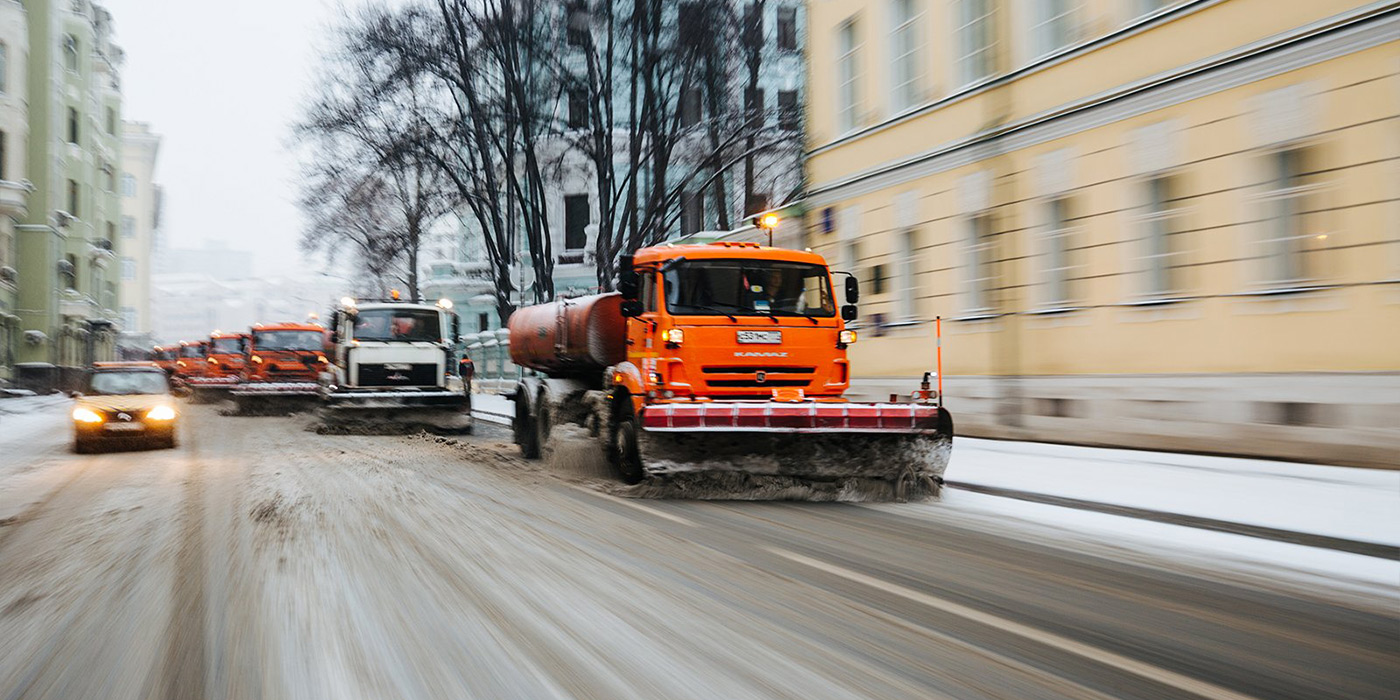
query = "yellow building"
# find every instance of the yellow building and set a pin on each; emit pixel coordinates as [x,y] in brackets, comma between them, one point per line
[1154,224]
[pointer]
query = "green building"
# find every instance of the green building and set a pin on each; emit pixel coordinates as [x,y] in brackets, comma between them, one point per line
[65,241]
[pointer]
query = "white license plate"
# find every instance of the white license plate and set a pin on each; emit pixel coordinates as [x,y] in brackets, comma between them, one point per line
[761,337]
[125,427]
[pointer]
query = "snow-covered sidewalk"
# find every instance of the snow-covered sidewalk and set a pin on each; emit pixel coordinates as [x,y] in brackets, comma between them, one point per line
[1342,502]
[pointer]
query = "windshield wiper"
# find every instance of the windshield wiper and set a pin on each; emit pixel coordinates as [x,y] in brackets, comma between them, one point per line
[780,312]
[722,312]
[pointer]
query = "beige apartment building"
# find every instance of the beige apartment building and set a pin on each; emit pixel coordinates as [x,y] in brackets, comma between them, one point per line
[1166,225]
[140,223]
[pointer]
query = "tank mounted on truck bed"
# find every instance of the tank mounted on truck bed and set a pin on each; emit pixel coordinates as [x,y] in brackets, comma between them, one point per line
[722,358]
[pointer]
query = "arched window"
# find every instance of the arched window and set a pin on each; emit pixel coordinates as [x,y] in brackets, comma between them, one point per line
[70,52]
[4,68]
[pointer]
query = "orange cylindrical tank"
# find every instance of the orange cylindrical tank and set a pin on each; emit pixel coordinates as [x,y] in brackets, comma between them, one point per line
[570,336]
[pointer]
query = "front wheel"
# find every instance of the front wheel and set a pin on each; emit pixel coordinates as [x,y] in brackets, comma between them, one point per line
[525,431]
[626,449]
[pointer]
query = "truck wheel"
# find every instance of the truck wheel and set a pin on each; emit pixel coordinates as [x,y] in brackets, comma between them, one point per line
[525,431]
[626,450]
[544,422]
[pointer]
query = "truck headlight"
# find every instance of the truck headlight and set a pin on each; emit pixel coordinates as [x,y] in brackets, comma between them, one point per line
[161,412]
[846,337]
[86,415]
[674,336]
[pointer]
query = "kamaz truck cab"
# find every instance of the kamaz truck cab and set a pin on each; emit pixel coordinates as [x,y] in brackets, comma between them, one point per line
[282,366]
[395,363]
[224,360]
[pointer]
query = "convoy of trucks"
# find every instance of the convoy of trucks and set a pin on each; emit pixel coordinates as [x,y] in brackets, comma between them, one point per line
[723,359]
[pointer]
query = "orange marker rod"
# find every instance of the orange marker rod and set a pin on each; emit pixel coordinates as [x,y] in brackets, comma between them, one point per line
[938,330]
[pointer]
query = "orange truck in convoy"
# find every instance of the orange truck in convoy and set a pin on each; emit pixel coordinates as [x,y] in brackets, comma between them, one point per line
[223,365]
[722,357]
[165,357]
[282,367]
[190,360]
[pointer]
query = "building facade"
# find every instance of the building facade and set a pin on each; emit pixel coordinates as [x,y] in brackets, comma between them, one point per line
[14,185]
[138,231]
[66,244]
[1143,223]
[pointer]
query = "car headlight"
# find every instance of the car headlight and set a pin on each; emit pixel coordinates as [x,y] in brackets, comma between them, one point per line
[86,415]
[161,412]
[846,337]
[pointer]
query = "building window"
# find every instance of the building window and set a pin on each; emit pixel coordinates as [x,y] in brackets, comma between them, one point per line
[1057,252]
[908,274]
[847,72]
[691,106]
[70,52]
[578,33]
[111,233]
[73,198]
[112,120]
[68,274]
[1161,250]
[4,173]
[576,219]
[72,126]
[751,31]
[578,108]
[980,264]
[128,185]
[753,107]
[128,227]
[1054,28]
[904,44]
[693,213]
[1287,239]
[787,29]
[789,115]
[4,67]
[974,40]
[128,269]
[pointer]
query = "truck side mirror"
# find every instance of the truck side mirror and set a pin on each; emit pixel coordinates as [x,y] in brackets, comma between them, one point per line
[627,282]
[852,289]
[631,308]
[849,312]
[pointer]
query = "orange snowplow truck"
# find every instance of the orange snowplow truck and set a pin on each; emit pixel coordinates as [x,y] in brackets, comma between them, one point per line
[190,360]
[165,357]
[282,367]
[723,357]
[223,366]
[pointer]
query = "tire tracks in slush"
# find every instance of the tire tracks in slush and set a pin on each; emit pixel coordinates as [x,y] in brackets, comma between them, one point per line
[185,655]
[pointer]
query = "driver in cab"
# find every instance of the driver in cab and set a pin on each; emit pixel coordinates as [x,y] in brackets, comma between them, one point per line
[765,292]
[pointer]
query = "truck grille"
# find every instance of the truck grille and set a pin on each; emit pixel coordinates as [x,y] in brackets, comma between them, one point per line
[416,375]
[774,376]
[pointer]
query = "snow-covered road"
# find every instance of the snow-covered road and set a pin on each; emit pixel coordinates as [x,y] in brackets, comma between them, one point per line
[262,560]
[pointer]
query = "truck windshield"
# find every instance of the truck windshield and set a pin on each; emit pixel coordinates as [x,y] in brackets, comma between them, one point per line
[123,383]
[401,325]
[748,287]
[288,340]
[226,346]
[192,351]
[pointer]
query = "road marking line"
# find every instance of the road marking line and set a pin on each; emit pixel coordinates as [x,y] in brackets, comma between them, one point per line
[1092,653]
[645,509]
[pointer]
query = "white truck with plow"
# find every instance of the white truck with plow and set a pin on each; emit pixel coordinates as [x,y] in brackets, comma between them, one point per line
[395,367]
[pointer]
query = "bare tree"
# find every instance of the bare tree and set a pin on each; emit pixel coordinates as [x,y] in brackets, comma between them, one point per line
[361,132]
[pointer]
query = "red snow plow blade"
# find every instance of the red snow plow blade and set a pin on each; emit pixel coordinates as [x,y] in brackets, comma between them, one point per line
[907,445]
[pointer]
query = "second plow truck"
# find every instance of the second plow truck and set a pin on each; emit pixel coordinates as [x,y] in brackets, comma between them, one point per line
[282,368]
[719,371]
[395,368]
[224,358]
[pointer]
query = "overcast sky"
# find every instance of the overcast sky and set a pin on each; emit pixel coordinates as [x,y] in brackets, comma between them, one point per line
[221,83]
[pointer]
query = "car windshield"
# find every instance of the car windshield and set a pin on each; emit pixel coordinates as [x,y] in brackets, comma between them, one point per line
[226,346]
[288,340]
[121,383]
[402,325]
[748,287]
